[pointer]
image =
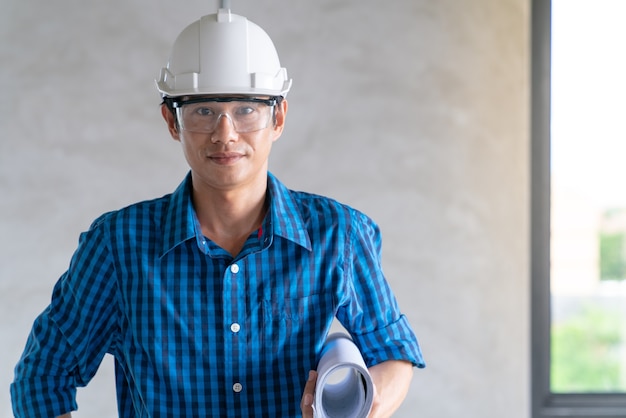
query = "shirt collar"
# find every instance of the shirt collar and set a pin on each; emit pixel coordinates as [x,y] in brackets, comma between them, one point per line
[285,218]
[179,221]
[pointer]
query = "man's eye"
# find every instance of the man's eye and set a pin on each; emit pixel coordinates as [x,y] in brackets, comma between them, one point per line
[204,111]
[245,110]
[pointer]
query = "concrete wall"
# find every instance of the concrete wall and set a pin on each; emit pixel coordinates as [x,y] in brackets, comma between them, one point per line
[414,111]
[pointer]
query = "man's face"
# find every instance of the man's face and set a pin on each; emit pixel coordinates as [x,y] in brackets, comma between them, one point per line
[225,159]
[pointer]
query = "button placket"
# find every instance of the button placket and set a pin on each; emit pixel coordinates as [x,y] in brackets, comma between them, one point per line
[235,292]
[234,327]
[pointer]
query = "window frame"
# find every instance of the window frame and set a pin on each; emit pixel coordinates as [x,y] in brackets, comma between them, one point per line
[546,404]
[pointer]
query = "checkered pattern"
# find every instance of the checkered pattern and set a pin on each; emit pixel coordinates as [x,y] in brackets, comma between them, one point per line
[196,333]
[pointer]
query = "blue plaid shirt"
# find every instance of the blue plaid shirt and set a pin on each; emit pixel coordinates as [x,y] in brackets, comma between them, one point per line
[198,333]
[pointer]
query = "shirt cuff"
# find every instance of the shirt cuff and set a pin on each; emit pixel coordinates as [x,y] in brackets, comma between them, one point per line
[394,342]
[42,397]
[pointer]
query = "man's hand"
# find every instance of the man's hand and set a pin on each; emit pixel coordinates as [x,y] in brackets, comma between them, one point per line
[391,383]
[306,404]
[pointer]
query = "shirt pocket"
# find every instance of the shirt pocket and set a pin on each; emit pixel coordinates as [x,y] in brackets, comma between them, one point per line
[291,322]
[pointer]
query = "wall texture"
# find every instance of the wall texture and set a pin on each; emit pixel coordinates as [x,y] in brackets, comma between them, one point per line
[414,111]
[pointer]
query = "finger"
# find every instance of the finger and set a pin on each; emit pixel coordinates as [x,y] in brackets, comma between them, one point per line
[306,404]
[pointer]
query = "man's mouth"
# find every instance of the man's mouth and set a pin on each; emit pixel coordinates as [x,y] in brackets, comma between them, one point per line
[225,158]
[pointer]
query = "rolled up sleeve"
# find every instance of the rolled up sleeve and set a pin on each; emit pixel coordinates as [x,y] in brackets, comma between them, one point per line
[369,310]
[394,342]
[70,337]
[44,385]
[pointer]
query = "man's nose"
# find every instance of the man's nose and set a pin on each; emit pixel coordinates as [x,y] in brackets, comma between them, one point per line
[224,129]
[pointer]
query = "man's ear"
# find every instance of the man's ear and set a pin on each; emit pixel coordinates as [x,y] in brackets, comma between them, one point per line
[172,124]
[281,116]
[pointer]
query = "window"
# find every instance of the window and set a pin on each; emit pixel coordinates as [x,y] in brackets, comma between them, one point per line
[578,208]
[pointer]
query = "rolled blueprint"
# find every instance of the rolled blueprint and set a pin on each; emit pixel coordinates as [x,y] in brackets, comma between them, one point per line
[344,387]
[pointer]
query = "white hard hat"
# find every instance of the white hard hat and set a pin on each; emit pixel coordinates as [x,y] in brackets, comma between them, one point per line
[223,53]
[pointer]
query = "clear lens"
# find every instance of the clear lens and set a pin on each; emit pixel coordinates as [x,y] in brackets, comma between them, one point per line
[203,116]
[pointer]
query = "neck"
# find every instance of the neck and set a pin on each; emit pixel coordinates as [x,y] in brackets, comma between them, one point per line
[228,217]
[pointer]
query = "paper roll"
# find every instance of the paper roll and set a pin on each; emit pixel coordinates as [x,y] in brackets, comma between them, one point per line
[344,386]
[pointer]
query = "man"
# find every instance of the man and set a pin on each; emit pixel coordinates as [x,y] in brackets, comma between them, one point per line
[216,300]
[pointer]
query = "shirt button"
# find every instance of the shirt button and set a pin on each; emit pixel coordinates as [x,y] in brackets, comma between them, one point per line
[235,327]
[237,387]
[234,269]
